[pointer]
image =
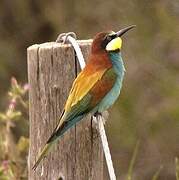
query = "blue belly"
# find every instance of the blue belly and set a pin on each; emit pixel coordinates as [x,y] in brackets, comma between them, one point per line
[113,94]
[111,97]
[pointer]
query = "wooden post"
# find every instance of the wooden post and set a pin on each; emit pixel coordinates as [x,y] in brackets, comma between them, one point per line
[52,67]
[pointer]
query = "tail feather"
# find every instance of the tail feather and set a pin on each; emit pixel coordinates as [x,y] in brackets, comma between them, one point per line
[59,130]
[51,141]
[42,155]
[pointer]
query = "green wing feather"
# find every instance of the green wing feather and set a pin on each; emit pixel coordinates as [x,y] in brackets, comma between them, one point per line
[80,109]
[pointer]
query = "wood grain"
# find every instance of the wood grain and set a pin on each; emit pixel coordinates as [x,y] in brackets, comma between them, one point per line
[52,67]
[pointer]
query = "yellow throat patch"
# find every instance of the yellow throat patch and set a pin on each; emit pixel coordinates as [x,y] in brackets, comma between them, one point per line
[115,44]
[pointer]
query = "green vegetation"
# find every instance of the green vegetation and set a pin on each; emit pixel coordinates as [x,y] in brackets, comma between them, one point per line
[156,175]
[177,168]
[133,159]
[13,147]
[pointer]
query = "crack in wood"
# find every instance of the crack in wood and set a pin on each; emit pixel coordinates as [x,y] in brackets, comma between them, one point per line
[78,155]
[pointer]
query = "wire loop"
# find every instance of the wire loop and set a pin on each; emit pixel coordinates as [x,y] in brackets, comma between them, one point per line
[63,37]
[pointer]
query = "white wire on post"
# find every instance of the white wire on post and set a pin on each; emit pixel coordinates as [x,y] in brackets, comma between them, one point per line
[106,147]
[71,37]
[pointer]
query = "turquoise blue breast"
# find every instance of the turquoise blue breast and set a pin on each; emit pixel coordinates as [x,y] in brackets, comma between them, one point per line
[113,94]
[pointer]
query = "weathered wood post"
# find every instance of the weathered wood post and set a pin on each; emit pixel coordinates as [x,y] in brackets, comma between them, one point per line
[78,156]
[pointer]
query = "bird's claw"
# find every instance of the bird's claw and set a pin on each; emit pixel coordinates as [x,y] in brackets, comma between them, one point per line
[103,115]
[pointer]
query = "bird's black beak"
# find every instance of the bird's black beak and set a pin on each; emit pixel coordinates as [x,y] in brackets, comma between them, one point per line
[122,31]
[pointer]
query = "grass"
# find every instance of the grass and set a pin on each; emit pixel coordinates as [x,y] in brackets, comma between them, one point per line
[132,162]
[177,168]
[156,175]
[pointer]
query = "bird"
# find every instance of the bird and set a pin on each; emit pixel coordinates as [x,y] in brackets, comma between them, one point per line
[96,87]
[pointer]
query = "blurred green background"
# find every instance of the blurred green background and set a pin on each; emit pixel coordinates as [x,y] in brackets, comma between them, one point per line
[148,108]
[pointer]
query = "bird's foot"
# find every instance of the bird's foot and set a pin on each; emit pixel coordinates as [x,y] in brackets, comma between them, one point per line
[96,114]
[103,115]
[95,119]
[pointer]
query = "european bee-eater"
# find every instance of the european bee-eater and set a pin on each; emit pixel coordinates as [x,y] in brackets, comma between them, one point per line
[96,87]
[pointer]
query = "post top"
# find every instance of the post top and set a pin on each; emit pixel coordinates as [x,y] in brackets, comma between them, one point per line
[50,45]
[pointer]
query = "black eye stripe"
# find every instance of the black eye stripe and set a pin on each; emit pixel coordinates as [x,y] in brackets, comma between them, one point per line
[113,36]
[107,39]
[110,37]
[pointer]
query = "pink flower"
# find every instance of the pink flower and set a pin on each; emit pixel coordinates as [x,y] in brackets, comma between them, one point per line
[13,81]
[5,165]
[12,104]
[26,87]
